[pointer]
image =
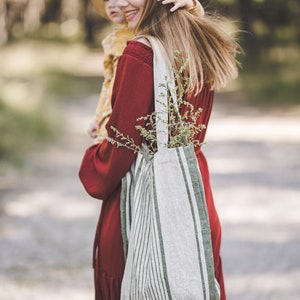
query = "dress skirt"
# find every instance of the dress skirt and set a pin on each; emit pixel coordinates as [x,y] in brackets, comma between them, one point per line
[109,261]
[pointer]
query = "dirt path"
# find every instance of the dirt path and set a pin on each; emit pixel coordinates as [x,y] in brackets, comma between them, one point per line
[47,221]
[255,166]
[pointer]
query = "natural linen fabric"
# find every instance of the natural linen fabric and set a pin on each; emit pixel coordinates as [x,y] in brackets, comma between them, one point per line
[165,226]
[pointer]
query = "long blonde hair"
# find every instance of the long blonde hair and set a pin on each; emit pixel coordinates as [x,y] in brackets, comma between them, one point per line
[210,53]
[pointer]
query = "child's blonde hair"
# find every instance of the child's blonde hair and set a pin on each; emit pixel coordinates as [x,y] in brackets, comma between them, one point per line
[210,53]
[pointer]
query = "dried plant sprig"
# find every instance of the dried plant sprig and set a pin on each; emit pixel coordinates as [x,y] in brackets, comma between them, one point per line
[123,141]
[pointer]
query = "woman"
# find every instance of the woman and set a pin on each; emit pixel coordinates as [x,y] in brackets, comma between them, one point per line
[210,55]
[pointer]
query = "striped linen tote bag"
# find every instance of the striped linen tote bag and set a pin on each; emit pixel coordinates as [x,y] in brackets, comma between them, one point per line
[165,226]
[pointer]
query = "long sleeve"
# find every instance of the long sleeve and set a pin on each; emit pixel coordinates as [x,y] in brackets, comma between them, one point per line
[104,165]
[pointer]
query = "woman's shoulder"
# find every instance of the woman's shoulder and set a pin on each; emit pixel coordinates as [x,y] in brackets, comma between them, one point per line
[139,50]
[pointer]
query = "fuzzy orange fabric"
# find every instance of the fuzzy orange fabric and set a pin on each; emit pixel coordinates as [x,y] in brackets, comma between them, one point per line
[113,46]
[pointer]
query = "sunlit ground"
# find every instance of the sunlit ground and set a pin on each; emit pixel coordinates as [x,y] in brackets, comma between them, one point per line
[47,221]
[255,165]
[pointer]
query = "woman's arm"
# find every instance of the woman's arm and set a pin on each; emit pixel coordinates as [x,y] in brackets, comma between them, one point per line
[104,164]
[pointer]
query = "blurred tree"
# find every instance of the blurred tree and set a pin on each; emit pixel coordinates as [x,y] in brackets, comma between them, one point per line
[32,15]
[246,17]
[52,11]
[3,28]
[89,22]
[14,15]
[264,23]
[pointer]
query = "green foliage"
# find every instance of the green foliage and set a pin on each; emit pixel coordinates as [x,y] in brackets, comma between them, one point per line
[64,84]
[22,131]
[274,79]
[270,37]
[122,141]
[34,76]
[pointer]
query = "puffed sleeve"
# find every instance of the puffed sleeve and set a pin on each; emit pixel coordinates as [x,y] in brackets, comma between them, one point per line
[103,164]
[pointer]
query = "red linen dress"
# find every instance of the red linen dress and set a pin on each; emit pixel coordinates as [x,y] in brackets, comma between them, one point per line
[104,165]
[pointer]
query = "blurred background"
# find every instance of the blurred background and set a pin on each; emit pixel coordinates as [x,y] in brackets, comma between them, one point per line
[50,77]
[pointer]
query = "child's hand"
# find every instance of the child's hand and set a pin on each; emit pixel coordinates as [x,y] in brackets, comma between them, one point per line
[188,4]
[92,129]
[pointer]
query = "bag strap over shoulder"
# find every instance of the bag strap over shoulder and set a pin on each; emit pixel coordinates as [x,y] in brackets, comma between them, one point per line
[164,83]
